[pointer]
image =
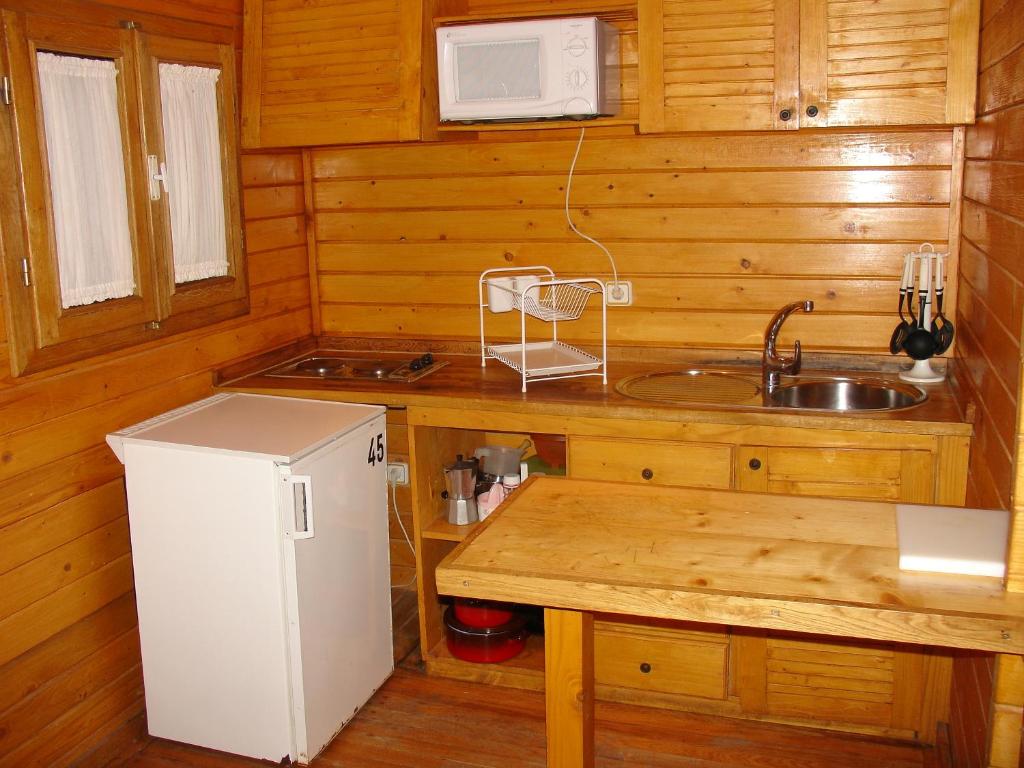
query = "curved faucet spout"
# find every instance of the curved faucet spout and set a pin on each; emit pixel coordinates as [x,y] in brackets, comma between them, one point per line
[772,363]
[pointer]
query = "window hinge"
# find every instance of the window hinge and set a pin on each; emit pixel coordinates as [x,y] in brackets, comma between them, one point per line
[25,274]
[5,90]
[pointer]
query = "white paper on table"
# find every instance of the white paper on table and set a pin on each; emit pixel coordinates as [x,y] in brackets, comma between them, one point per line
[971,542]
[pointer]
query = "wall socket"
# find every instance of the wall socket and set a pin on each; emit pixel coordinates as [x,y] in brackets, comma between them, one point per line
[398,473]
[620,293]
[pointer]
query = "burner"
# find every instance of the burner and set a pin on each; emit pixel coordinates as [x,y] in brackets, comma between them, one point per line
[320,365]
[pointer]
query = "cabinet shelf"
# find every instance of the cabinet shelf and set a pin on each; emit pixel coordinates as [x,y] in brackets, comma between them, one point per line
[523,671]
[442,530]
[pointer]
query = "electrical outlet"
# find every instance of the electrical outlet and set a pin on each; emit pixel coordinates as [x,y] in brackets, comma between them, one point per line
[620,293]
[398,473]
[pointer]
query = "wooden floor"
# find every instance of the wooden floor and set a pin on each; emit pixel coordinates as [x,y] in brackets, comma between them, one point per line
[416,721]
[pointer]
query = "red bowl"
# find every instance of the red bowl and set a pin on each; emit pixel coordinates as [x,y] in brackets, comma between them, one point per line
[484,645]
[481,613]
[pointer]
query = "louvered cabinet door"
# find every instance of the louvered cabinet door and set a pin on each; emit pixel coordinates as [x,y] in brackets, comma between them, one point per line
[331,72]
[718,65]
[888,62]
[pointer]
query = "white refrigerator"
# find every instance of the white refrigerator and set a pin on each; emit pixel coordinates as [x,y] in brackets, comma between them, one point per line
[260,546]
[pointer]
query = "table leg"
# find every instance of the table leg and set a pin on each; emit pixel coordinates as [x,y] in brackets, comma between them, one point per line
[569,687]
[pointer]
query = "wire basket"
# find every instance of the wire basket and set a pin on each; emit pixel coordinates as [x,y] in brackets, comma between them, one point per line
[561,301]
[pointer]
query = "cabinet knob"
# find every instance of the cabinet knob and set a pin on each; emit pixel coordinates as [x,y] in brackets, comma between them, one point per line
[785,115]
[812,111]
[645,667]
[646,473]
[754,464]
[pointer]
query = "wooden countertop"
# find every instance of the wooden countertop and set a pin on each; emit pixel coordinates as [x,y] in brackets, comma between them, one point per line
[813,565]
[463,383]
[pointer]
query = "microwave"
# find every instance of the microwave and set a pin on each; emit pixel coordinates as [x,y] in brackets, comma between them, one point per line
[528,70]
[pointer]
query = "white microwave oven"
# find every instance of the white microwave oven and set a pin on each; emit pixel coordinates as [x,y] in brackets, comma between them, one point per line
[528,70]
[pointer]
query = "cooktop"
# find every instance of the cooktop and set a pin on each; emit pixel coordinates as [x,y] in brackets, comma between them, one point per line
[342,365]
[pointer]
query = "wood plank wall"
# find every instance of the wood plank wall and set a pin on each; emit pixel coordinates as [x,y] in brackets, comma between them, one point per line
[989,318]
[716,232]
[70,671]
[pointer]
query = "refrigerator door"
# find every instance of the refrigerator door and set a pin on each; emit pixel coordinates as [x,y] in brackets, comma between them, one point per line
[337,591]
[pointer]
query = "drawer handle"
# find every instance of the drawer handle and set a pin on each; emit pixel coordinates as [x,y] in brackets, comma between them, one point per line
[754,464]
[646,473]
[645,667]
[785,115]
[812,111]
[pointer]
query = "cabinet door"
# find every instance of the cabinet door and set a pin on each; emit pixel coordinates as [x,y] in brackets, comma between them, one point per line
[330,72]
[855,473]
[727,65]
[659,463]
[896,689]
[689,662]
[897,63]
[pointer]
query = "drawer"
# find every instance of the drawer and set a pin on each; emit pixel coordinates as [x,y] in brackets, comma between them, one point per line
[701,465]
[661,660]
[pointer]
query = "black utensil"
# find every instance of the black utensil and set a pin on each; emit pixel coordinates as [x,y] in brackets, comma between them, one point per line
[903,328]
[920,343]
[944,331]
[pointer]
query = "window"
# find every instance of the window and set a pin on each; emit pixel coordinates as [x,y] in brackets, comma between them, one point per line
[127,224]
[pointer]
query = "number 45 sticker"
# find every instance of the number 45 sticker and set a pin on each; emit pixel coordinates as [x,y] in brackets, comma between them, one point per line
[376,450]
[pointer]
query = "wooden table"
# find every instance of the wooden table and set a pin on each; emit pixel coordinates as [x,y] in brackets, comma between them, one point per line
[814,565]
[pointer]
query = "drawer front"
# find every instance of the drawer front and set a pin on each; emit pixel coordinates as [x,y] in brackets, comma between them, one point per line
[857,473]
[699,465]
[662,661]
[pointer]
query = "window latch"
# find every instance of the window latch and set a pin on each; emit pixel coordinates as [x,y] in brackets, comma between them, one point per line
[157,175]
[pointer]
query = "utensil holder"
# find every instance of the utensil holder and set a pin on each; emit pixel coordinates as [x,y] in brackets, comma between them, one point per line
[922,373]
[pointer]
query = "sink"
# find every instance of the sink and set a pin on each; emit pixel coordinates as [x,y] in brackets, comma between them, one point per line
[846,394]
[692,387]
[698,386]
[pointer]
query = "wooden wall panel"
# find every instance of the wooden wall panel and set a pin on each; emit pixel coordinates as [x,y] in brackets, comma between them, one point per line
[717,232]
[69,655]
[990,309]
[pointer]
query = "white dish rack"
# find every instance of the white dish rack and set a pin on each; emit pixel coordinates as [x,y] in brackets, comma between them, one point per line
[536,292]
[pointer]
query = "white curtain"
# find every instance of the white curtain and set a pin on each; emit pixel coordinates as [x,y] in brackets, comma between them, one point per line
[195,192]
[87,178]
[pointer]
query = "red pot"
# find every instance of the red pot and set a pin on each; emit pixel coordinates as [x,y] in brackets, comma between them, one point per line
[481,613]
[488,645]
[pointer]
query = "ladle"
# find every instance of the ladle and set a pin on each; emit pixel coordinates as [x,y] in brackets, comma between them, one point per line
[943,331]
[903,328]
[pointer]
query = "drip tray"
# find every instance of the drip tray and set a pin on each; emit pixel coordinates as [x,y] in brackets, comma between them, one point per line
[691,387]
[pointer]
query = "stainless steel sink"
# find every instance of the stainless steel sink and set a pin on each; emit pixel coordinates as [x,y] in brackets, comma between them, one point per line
[845,394]
[709,387]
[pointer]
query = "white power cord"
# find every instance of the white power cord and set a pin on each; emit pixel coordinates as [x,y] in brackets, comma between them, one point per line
[568,218]
[393,507]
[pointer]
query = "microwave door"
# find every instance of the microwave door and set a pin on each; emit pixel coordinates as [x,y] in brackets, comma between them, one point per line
[504,79]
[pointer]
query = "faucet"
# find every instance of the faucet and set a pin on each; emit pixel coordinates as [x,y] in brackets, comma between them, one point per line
[773,364]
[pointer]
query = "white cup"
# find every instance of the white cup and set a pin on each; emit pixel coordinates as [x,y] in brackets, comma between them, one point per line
[499,293]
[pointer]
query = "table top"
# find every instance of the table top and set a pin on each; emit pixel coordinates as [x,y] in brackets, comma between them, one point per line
[824,566]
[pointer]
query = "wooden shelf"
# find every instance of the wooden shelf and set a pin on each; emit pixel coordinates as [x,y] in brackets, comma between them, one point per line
[606,11]
[524,671]
[536,125]
[442,530]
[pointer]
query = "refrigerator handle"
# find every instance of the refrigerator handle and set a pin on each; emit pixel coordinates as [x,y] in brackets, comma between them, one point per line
[302,507]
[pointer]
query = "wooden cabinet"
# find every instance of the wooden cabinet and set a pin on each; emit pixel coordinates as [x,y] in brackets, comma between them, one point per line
[886,689]
[851,473]
[659,462]
[643,657]
[330,72]
[785,64]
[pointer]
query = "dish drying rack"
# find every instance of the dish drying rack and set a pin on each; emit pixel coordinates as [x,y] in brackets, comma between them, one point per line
[536,292]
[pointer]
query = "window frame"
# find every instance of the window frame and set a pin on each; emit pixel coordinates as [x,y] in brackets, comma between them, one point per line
[42,334]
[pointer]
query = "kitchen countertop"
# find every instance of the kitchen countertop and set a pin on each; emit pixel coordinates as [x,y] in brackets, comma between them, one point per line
[464,384]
